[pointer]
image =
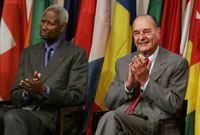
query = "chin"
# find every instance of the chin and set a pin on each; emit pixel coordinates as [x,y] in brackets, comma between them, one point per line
[43,37]
[143,49]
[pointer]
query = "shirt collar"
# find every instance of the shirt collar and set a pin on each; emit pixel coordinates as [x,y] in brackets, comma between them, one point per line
[54,45]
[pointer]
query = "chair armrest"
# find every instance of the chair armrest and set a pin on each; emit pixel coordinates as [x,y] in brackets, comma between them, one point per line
[178,120]
[6,104]
[163,123]
[72,109]
[63,110]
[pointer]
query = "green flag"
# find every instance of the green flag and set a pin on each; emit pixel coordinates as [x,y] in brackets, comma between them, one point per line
[38,9]
[155,9]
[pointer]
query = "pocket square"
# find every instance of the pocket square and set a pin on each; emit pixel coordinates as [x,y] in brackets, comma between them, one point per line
[60,60]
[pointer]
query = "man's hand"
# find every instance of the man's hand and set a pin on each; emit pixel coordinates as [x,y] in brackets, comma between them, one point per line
[131,78]
[35,85]
[25,84]
[141,69]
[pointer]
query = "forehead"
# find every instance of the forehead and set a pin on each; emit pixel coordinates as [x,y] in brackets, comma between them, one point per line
[51,14]
[143,22]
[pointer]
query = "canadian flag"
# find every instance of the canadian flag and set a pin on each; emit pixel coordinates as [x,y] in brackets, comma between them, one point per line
[13,29]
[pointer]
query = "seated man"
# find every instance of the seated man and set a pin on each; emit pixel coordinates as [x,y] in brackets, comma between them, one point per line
[149,85]
[51,75]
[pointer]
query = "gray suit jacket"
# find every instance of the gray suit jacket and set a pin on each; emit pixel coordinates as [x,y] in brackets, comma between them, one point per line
[164,93]
[65,74]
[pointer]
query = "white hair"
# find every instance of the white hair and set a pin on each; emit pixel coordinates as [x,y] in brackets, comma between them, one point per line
[63,13]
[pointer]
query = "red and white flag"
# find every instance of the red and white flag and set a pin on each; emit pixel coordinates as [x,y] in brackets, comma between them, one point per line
[12,38]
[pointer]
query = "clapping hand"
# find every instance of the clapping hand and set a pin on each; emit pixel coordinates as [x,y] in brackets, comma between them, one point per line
[33,86]
[138,72]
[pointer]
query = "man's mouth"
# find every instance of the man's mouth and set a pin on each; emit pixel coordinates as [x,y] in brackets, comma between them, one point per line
[43,33]
[143,43]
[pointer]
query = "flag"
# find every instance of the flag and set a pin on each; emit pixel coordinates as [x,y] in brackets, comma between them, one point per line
[101,31]
[119,44]
[29,26]
[85,25]
[142,6]
[72,6]
[171,25]
[83,38]
[193,89]
[12,39]
[155,9]
[39,7]
[186,27]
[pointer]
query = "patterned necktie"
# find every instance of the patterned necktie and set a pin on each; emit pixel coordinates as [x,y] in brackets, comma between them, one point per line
[130,109]
[146,60]
[47,56]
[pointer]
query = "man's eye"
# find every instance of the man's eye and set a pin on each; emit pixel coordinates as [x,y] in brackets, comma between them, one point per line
[147,32]
[136,33]
[50,24]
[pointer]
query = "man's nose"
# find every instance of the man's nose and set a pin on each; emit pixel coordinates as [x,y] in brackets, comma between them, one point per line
[141,36]
[44,26]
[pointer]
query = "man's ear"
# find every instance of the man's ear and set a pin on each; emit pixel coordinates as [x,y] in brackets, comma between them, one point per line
[158,33]
[64,26]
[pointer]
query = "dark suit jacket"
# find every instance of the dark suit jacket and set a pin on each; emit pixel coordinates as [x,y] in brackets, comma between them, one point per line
[164,93]
[65,74]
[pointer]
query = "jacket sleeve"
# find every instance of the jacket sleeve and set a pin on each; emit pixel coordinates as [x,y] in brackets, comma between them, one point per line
[117,94]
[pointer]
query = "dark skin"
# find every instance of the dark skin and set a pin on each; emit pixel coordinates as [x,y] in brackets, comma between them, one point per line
[33,86]
[51,31]
[50,28]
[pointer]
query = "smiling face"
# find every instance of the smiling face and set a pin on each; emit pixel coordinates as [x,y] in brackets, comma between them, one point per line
[146,35]
[50,28]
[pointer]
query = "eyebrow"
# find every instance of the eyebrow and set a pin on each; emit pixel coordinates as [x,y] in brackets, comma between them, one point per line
[143,29]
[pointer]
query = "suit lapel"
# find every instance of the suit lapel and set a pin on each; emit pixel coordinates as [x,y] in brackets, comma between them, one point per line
[38,58]
[54,62]
[132,55]
[159,65]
